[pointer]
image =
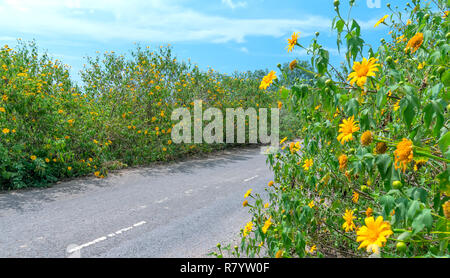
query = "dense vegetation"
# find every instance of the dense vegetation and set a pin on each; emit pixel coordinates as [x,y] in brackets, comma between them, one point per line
[371,177]
[120,114]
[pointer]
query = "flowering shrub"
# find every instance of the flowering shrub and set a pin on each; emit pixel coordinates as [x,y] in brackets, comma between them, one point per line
[119,115]
[371,175]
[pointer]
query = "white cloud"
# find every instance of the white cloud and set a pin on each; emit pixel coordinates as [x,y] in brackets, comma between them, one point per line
[244,49]
[234,5]
[143,20]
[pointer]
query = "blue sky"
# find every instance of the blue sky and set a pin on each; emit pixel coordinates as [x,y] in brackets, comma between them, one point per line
[226,35]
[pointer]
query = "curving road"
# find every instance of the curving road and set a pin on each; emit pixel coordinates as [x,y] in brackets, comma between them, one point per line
[181,209]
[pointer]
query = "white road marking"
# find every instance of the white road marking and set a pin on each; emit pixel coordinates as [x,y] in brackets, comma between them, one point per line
[251,178]
[162,201]
[100,239]
[188,192]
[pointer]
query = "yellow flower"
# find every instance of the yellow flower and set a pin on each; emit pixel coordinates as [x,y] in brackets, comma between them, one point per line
[369,212]
[292,41]
[446,207]
[293,64]
[311,204]
[362,70]
[408,22]
[97,174]
[355,197]
[47,160]
[421,65]
[414,43]
[2,109]
[5,131]
[419,163]
[403,154]
[71,121]
[307,164]
[270,184]
[279,254]
[366,138]
[343,159]
[397,105]
[247,229]
[381,20]
[374,234]
[266,205]
[33,157]
[267,225]
[267,80]
[311,250]
[248,193]
[346,129]
[245,203]
[282,140]
[348,217]
[69,168]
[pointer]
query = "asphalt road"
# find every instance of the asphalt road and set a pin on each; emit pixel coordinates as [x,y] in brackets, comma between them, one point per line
[181,209]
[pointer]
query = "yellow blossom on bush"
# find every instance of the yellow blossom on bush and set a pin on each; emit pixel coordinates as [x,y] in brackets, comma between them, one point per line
[446,207]
[403,154]
[414,43]
[267,80]
[355,197]
[374,234]
[362,70]
[248,193]
[267,225]
[343,159]
[369,212]
[247,229]
[381,20]
[366,138]
[348,217]
[33,157]
[347,128]
[293,64]
[292,42]
[307,164]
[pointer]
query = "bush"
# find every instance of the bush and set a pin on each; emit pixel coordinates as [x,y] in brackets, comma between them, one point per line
[52,128]
[371,177]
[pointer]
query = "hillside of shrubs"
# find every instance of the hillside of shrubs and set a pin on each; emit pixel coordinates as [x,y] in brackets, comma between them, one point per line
[370,177]
[119,115]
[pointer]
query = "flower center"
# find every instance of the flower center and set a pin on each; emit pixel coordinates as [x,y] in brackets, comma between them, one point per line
[362,71]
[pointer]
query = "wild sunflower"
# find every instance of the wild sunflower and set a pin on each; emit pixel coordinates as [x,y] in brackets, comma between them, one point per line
[343,159]
[355,197]
[307,164]
[366,138]
[267,80]
[247,229]
[267,225]
[293,64]
[362,70]
[292,42]
[346,129]
[369,212]
[348,217]
[279,254]
[381,20]
[374,234]
[380,148]
[414,43]
[248,193]
[403,154]
[446,207]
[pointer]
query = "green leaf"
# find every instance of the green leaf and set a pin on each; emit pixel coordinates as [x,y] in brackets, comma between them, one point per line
[444,142]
